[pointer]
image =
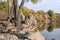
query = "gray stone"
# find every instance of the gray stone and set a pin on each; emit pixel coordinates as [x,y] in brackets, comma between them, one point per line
[36,36]
[8,37]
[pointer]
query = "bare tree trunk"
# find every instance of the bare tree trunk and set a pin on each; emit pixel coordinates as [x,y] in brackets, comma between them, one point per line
[20,10]
[10,9]
[20,15]
[15,11]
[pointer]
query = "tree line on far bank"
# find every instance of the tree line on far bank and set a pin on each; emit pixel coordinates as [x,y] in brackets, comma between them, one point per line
[27,12]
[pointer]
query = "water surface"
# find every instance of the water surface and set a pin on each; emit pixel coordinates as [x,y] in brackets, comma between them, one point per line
[55,34]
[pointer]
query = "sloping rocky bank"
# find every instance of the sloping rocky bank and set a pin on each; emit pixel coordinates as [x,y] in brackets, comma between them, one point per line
[28,30]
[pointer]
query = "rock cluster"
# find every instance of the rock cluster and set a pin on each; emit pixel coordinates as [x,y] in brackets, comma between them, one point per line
[27,31]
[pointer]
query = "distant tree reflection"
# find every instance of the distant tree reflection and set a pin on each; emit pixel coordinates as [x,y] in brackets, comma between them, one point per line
[51,27]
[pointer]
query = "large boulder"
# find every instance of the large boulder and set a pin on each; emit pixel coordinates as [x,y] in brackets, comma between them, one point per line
[31,21]
[8,37]
[36,36]
[29,25]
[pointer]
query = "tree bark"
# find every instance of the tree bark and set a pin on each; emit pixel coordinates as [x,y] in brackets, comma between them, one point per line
[15,11]
[20,10]
[20,15]
[10,9]
[17,15]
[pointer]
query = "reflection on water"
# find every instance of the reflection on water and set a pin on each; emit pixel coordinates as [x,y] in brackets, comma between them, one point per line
[55,34]
[52,32]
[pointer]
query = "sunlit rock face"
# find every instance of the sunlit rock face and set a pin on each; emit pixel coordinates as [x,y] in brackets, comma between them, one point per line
[30,36]
[8,37]
[30,24]
[33,36]
[36,36]
[29,28]
[31,21]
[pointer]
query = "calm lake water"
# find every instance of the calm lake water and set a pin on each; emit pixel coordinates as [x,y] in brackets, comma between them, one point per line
[55,34]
